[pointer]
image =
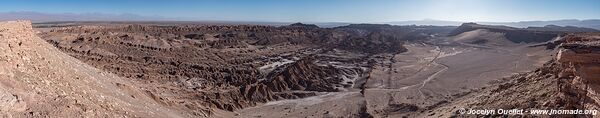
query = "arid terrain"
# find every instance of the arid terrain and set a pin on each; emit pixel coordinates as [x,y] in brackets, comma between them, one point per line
[132,69]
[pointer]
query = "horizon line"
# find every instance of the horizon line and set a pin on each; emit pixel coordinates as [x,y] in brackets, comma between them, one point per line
[158,18]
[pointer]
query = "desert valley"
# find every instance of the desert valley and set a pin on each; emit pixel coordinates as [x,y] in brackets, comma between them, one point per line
[298,70]
[299,59]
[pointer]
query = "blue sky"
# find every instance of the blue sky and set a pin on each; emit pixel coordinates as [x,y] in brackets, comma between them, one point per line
[324,10]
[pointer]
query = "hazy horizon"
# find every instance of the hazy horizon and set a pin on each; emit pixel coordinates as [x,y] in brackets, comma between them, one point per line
[352,11]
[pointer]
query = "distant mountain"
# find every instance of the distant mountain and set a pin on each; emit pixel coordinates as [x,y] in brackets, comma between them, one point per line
[300,25]
[526,35]
[427,22]
[562,28]
[330,24]
[45,17]
[592,23]
[38,17]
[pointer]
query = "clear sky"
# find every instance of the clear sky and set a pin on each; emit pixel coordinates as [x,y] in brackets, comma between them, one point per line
[324,10]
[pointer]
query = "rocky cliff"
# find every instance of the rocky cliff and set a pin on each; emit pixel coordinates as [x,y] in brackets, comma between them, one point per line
[581,53]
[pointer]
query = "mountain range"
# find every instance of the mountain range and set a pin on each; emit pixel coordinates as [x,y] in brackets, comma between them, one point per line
[48,17]
[589,23]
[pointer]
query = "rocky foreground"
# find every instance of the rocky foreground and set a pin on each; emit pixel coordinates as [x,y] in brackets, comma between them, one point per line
[38,80]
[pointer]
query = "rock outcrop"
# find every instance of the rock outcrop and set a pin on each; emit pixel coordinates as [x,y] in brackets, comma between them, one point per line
[582,54]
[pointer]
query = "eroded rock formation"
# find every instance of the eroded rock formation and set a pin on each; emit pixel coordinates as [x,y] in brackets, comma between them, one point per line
[232,67]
